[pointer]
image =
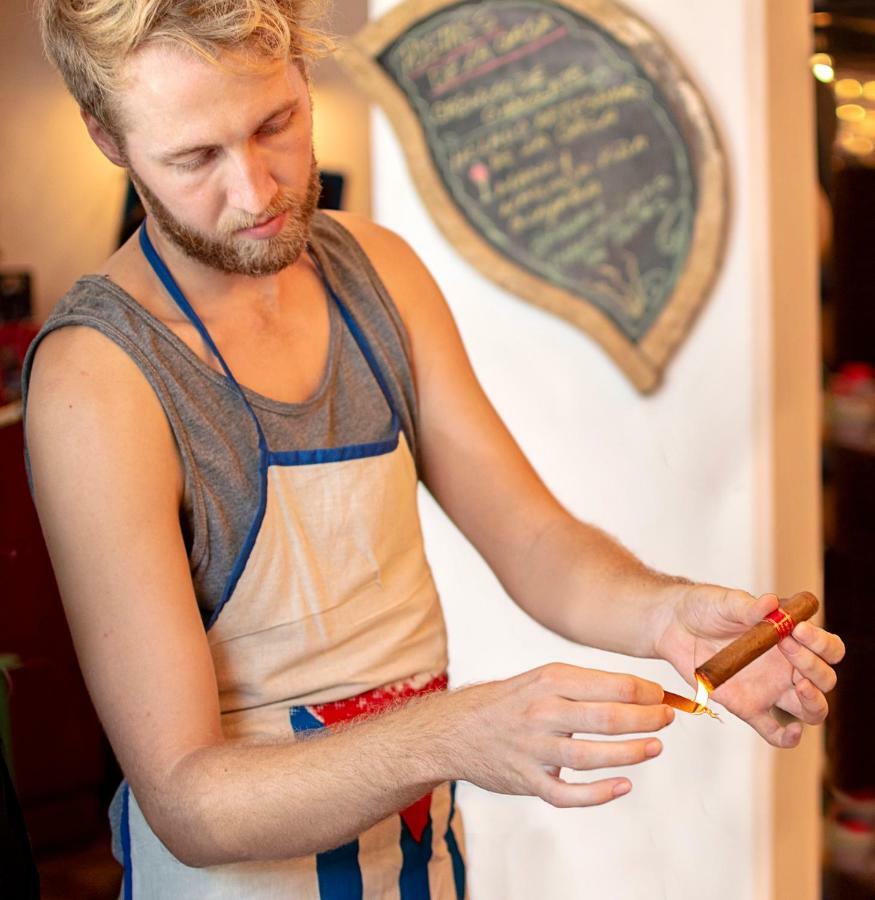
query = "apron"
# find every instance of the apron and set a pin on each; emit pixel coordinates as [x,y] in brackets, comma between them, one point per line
[330,612]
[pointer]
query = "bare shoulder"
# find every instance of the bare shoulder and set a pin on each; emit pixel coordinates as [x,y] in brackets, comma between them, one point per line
[78,366]
[401,270]
[374,238]
[87,399]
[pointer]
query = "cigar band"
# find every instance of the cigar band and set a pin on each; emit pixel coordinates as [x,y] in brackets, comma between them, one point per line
[782,621]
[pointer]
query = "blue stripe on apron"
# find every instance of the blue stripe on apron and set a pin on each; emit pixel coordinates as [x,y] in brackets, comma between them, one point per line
[453,847]
[127,878]
[338,871]
[303,720]
[413,880]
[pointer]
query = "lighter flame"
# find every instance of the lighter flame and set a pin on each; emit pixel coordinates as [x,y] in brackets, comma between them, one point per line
[703,691]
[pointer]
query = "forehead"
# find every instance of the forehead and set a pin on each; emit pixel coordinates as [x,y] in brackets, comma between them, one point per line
[171,94]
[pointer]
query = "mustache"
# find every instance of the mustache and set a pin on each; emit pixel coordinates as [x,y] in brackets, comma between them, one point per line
[283,202]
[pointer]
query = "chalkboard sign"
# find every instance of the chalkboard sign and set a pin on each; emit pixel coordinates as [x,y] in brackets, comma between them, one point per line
[565,153]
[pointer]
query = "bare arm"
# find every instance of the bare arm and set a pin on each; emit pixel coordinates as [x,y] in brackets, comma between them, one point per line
[108,485]
[567,574]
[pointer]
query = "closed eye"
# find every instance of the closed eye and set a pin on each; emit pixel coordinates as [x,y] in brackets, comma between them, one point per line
[276,126]
[196,162]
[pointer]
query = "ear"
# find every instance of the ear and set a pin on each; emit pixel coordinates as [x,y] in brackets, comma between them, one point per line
[107,144]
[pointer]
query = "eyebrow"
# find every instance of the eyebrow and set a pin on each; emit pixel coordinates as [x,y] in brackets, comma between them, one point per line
[171,155]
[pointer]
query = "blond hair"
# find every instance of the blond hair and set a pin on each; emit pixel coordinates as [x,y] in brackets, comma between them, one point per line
[89,40]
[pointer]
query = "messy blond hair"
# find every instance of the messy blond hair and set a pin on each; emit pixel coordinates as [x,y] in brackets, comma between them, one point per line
[89,40]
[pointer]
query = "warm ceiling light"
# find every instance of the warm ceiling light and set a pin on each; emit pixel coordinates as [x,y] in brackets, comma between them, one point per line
[848,89]
[821,66]
[859,146]
[869,90]
[823,73]
[851,112]
[867,126]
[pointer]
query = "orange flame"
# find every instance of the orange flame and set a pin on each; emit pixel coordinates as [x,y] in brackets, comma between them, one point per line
[695,707]
[703,692]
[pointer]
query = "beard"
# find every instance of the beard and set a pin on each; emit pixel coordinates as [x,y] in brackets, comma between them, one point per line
[236,255]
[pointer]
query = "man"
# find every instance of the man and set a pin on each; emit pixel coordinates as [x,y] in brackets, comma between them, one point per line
[282,515]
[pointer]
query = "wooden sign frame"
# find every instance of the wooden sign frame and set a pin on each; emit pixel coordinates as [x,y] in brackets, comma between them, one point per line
[644,361]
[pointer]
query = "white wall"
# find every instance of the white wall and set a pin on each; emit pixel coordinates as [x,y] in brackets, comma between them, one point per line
[685,478]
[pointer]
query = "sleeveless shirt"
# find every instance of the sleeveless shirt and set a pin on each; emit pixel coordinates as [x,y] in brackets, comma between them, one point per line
[217,444]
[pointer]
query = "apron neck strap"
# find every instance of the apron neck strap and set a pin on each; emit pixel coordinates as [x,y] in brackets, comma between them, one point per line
[366,351]
[169,282]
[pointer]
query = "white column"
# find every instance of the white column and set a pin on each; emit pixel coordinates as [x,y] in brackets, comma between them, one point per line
[714,477]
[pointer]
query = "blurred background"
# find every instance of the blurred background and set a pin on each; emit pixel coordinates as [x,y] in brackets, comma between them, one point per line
[844,79]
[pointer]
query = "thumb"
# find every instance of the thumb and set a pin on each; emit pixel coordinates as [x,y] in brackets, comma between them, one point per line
[742,607]
[762,606]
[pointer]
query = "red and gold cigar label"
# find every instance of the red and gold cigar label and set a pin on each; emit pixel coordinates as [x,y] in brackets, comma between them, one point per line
[744,650]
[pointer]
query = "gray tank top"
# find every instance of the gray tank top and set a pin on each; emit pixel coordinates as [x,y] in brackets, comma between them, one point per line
[215,435]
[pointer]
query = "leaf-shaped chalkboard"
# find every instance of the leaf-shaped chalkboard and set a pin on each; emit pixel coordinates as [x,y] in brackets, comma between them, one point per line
[563,151]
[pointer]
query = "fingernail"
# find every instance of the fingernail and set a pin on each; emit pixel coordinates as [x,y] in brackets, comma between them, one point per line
[652,748]
[620,789]
[669,714]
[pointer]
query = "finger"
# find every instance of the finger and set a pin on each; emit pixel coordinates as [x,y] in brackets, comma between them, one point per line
[564,795]
[809,664]
[762,606]
[827,646]
[814,706]
[575,683]
[584,717]
[739,606]
[578,754]
[784,736]
[790,703]
[805,702]
[781,716]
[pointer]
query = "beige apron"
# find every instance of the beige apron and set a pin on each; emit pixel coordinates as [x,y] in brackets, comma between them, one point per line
[330,598]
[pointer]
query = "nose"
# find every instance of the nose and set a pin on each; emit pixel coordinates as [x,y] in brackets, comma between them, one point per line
[251,186]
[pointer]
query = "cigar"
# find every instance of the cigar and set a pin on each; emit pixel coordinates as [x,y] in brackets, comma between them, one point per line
[684,704]
[764,635]
[744,650]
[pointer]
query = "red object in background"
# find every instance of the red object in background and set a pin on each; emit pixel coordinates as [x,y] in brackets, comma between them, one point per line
[853,377]
[17,336]
[60,754]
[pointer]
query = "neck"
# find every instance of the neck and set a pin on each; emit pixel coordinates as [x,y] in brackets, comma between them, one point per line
[213,291]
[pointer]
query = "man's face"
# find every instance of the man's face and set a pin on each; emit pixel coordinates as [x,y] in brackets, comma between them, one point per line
[223,160]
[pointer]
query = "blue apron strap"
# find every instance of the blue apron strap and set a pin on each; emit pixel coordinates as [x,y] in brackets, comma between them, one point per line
[181,301]
[366,351]
[172,288]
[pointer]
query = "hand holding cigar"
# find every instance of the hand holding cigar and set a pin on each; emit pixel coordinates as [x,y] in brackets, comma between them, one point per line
[744,650]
